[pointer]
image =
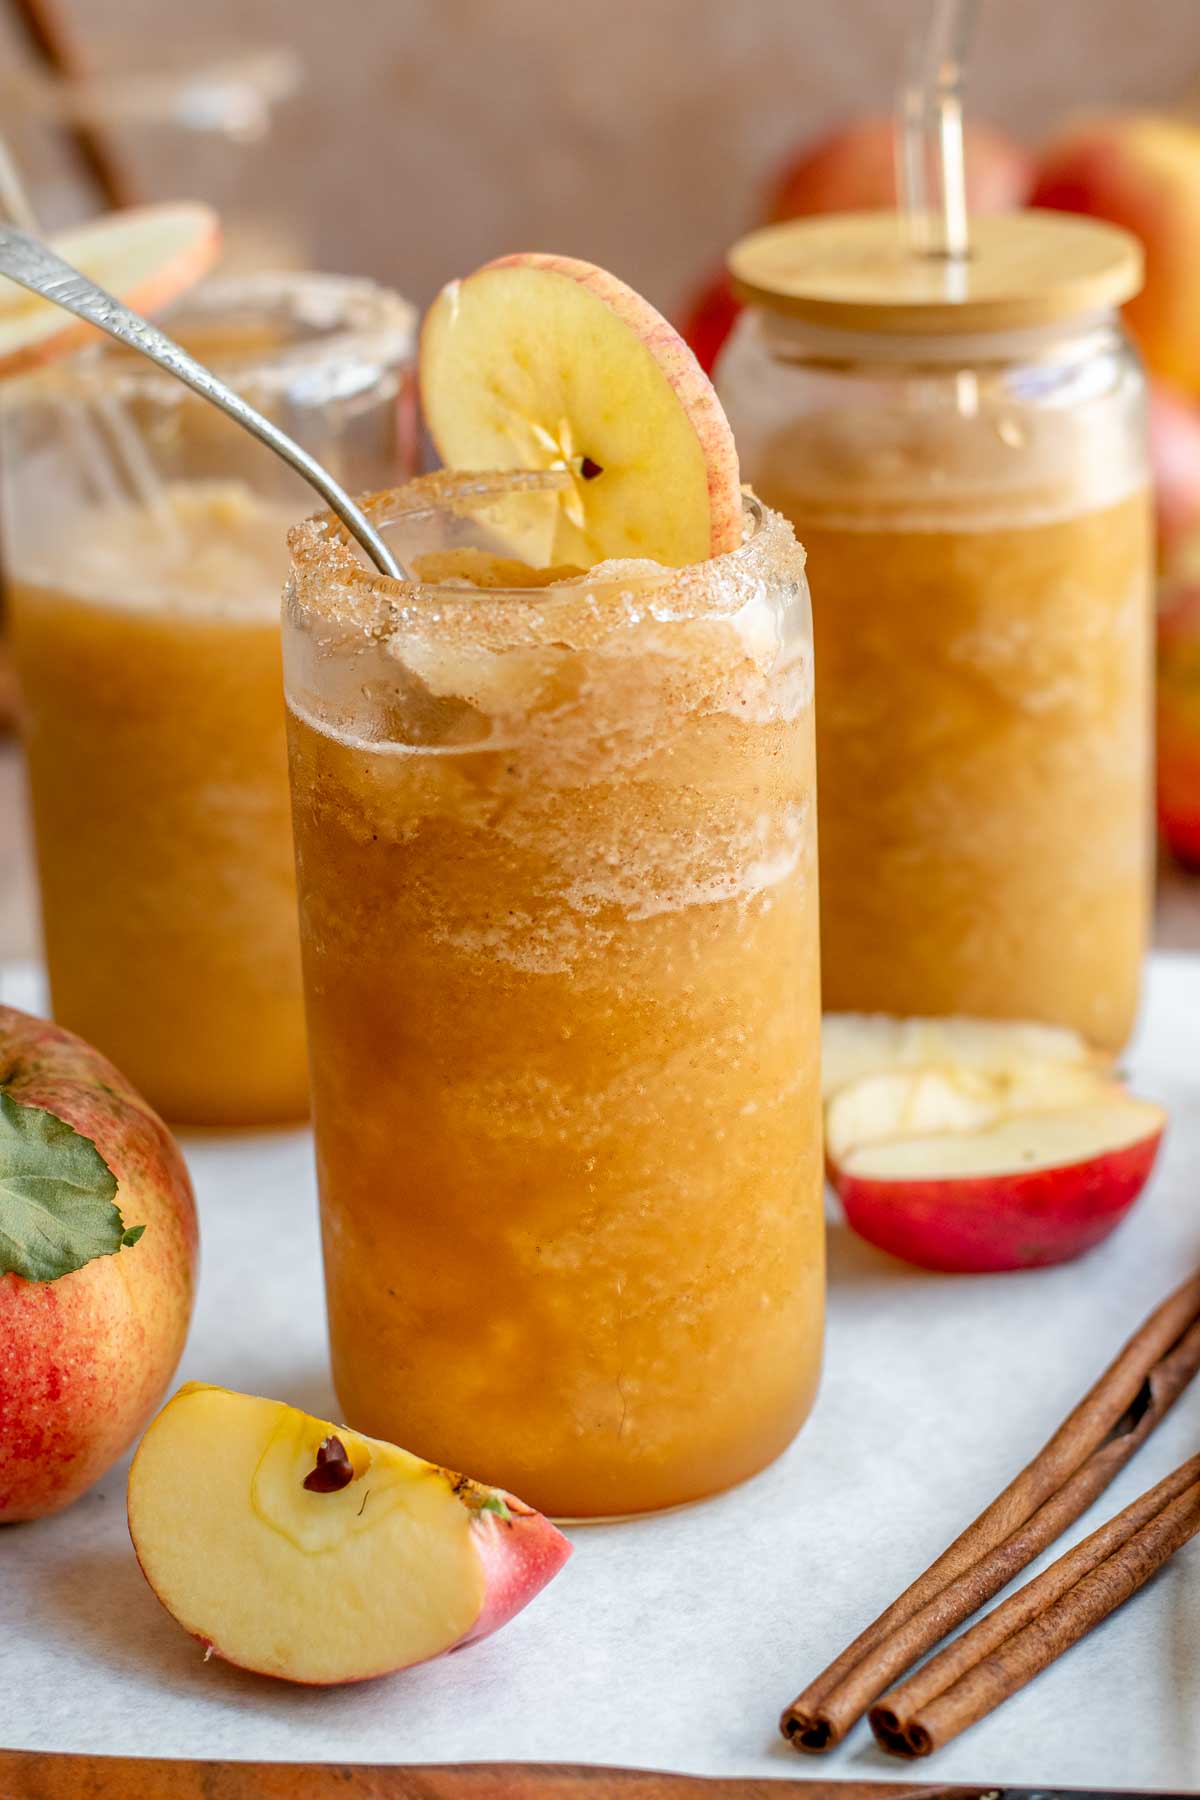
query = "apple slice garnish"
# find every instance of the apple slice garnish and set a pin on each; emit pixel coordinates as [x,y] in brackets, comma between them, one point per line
[543,362]
[966,1170]
[145,256]
[304,1550]
[858,1044]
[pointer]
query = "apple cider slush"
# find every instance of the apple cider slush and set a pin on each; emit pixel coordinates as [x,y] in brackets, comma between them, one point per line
[150,669]
[983,739]
[146,547]
[555,836]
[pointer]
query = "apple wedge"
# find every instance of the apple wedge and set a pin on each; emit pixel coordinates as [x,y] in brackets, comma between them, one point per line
[145,256]
[301,1549]
[969,1171]
[858,1044]
[542,362]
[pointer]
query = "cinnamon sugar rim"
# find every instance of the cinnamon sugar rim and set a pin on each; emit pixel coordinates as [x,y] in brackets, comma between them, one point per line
[328,577]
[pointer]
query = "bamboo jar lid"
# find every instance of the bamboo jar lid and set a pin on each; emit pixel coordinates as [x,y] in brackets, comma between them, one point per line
[858,272]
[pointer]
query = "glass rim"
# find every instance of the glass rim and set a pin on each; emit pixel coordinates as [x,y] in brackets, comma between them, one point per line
[354,323]
[321,548]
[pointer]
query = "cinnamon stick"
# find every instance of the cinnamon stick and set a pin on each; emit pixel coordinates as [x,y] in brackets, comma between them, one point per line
[1088,1450]
[1016,1641]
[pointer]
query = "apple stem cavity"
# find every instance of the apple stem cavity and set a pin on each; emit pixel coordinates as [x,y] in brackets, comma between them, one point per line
[333,1470]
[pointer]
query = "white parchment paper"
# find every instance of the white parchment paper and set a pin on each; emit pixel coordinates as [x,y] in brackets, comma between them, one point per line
[674,1642]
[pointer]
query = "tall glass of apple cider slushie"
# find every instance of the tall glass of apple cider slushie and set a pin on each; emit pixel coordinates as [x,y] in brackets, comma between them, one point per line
[556,845]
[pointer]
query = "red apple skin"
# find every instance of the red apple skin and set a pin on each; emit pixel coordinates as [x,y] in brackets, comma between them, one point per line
[1177,724]
[854,167]
[709,319]
[84,1360]
[1142,171]
[519,1555]
[984,1225]
[1175,465]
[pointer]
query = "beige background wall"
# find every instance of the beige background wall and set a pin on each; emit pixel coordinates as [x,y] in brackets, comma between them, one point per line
[436,133]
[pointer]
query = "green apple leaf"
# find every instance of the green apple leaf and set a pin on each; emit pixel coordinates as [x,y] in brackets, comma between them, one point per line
[57,1196]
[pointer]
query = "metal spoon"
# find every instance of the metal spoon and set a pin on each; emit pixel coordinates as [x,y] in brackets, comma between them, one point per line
[27,261]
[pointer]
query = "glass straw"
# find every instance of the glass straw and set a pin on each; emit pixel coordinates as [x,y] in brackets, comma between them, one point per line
[932,170]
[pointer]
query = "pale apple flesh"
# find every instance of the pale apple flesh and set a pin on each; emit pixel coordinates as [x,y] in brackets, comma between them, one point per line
[85,1359]
[402,1562]
[543,362]
[146,256]
[857,1044]
[971,1170]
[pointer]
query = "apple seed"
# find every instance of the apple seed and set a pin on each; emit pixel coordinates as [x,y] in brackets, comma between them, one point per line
[333,1468]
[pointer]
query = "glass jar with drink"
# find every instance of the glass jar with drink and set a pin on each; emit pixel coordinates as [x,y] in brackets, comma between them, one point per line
[145,545]
[961,448]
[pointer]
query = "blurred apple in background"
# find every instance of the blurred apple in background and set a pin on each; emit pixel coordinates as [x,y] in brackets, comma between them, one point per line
[1178,720]
[1175,462]
[709,318]
[852,169]
[1142,171]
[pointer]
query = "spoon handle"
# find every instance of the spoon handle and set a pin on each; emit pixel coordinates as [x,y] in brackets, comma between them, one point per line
[31,264]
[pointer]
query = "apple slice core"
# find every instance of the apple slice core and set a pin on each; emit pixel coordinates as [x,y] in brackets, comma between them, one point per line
[145,256]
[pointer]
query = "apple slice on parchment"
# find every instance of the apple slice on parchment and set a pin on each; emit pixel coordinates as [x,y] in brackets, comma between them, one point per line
[970,1170]
[301,1549]
[145,256]
[543,362]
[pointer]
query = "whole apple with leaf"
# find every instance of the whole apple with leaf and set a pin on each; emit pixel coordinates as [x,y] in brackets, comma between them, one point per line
[98,1250]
